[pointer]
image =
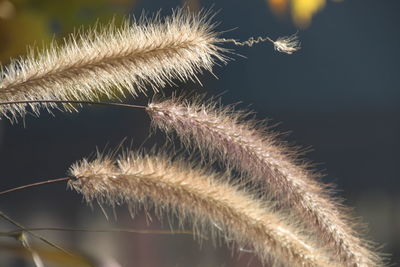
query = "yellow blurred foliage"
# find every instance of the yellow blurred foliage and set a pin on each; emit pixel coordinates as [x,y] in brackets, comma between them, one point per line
[24,22]
[7,10]
[16,33]
[278,6]
[301,11]
[48,255]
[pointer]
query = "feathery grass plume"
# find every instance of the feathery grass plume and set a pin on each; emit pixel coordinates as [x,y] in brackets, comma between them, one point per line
[246,145]
[111,60]
[198,196]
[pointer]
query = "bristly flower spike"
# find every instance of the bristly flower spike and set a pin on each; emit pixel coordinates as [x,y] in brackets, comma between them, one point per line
[227,135]
[110,61]
[200,197]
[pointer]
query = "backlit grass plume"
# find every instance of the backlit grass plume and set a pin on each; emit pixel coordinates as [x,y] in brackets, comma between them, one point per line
[198,196]
[112,60]
[244,144]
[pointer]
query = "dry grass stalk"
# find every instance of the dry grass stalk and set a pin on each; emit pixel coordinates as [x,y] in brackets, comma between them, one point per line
[112,60]
[246,145]
[198,196]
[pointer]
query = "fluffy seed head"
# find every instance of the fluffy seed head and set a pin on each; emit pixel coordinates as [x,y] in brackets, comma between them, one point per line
[200,197]
[113,60]
[226,134]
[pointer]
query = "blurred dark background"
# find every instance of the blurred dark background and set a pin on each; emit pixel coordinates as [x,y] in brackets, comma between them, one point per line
[340,94]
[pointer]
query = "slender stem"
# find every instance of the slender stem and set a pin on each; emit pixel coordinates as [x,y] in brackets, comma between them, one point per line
[71,102]
[117,230]
[34,184]
[7,218]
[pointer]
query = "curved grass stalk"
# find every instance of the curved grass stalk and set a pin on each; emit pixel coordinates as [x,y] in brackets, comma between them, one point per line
[197,196]
[244,144]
